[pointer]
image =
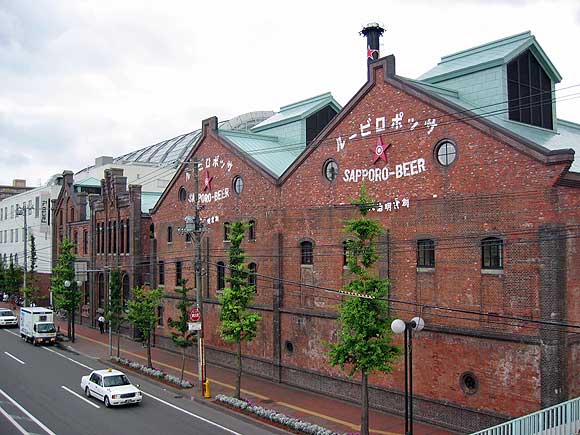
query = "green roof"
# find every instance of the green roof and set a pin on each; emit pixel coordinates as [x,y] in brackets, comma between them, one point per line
[489,55]
[148,200]
[89,182]
[566,135]
[297,111]
[266,150]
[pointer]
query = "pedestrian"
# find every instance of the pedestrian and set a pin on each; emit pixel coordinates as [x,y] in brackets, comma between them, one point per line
[101,321]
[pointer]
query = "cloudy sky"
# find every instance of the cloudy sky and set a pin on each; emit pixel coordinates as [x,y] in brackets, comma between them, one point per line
[80,79]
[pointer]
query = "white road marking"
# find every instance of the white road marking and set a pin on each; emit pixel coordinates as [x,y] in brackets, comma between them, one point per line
[190,413]
[13,333]
[70,359]
[11,420]
[32,417]
[14,358]
[79,396]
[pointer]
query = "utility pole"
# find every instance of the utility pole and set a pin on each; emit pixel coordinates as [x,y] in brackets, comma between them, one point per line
[194,227]
[22,211]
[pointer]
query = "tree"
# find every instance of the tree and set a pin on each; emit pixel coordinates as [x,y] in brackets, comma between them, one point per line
[364,341]
[141,313]
[13,279]
[114,309]
[31,291]
[182,337]
[67,298]
[237,323]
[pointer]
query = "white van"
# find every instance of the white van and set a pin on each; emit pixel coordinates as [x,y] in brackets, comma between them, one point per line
[37,325]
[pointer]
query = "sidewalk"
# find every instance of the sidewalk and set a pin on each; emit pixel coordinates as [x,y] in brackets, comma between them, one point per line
[333,414]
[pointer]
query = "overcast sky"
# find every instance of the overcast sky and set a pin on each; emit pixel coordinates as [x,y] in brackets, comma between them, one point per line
[80,79]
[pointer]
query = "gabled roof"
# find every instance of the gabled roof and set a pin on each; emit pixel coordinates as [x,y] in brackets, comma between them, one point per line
[489,55]
[266,150]
[297,111]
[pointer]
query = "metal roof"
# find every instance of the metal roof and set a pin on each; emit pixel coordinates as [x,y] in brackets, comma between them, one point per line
[148,200]
[488,55]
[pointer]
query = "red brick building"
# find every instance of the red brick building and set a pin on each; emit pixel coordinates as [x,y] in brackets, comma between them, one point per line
[479,198]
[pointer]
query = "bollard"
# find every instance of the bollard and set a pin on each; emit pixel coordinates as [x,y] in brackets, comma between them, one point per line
[206,389]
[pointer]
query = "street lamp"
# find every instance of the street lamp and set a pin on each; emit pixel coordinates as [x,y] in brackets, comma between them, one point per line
[399,326]
[76,285]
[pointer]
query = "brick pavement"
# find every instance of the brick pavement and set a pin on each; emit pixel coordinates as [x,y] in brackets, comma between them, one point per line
[334,414]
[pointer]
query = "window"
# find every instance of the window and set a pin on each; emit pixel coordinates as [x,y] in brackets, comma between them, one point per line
[85,242]
[492,253]
[121,237]
[109,237]
[345,253]
[128,238]
[37,207]
[178,273]
[252,230]
[446,152]
[330,170]
[187,237]
[16,231]
[469,383]
[226,231]
[76,242]
[161,273]
[115,250]
[317,121]
[221,276]
[425,253]
[252,277]
[306,252]
[160,315]
[238,184]
[169,234]
[72,214]
[529,92]
[182,195]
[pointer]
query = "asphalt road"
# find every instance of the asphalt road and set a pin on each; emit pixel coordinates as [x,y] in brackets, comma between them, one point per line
[40,394]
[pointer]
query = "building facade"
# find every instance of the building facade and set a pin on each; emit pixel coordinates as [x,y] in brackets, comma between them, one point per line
[480,209]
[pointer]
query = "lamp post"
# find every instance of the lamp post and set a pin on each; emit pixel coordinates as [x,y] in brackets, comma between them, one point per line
[399,326]
[75,285]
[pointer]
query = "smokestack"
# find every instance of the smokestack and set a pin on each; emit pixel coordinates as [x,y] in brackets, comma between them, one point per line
[372,31]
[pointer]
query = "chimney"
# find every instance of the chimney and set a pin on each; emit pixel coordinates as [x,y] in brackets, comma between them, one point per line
[19,183]
[372,31]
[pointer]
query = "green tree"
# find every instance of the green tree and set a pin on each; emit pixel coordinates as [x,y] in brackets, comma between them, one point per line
[66,298]
[182,337]
[13,279]
[114,312]
[142,314]
[32,292]
[237,323]
[365,339]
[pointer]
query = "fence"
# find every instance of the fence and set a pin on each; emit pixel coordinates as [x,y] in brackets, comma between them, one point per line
[562,419]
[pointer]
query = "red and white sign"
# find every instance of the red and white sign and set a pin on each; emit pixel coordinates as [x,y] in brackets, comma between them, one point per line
[194,315]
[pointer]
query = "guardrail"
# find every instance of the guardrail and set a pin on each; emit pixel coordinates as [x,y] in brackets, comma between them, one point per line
[561,419]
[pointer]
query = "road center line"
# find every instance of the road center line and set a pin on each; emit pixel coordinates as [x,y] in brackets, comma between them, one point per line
[70,359]
[79,396]
[190,413]
[28,414]
[14,358]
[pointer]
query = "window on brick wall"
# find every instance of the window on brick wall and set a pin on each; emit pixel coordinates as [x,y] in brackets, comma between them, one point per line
[122,237]
[160,311]
[252,230]
[170,234]
[178,272]
[109,237]
[85,242]
[252,277]
[226,231]
[76,242]
[221,276]
[492,253]
[115,247]
[161,273]
[306,252]
[425,253]
[128,238]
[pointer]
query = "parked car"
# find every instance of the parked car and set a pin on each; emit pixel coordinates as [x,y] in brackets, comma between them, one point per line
[112,387]
[7,318]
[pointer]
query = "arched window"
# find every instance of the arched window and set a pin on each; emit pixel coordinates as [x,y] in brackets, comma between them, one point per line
[152,231]
[252,230]
[122,237]
[221,276]
[72,214]
[76,242]
[306,252]
[182,195]
[115,250]
[161,273]
[101,287]
[85,242]
[170,234]
[252,277]
[127,238]
[425,253]
[492,253]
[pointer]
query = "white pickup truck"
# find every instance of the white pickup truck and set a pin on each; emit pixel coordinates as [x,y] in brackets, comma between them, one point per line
[37,325]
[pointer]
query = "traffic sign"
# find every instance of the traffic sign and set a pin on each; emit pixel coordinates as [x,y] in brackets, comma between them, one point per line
[194,315]
[194,326]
